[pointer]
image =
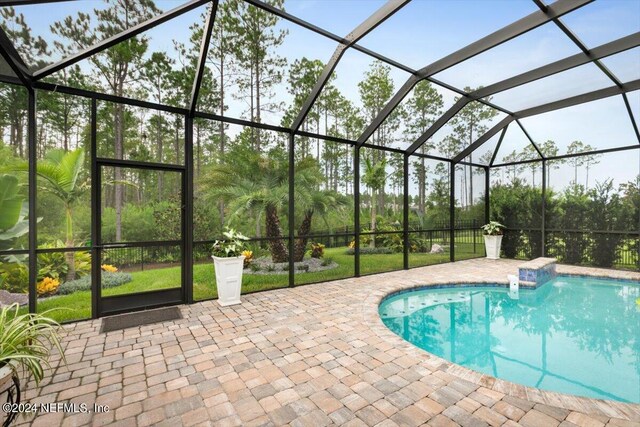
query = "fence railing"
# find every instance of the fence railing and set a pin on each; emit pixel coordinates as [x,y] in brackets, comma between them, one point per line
[137,258]
[468,237]
[413,226]
[617,249]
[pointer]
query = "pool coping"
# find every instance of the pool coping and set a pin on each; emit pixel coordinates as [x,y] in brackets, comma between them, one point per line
[607,408]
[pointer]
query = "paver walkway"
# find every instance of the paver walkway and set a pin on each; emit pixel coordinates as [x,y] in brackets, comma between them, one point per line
[308,356]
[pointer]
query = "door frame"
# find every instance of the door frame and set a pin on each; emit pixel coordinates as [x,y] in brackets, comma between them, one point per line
[116,304]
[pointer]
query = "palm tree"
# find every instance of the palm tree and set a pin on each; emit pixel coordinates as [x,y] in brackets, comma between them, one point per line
[250,182]
[374,177]
[64,177]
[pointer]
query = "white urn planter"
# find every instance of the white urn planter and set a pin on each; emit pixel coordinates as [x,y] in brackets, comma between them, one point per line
[6,378]
[229,279]
[492,245]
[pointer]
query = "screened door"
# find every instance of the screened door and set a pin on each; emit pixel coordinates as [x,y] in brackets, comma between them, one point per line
[140,237]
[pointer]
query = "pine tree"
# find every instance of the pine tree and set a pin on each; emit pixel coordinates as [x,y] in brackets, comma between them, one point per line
[116,67]
[421,111]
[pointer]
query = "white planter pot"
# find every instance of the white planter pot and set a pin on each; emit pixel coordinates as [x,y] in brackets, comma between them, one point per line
[492,245]
[228,279]
[6,378]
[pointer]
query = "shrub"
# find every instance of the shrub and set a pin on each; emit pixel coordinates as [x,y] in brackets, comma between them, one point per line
[47,286]
[54,264]
[317,250]
[302,267]
[254,267]
[371,251]
[607,213]
[14,277]
[109,280]
[327,261]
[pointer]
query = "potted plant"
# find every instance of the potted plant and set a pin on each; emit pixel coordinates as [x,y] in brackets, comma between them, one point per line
[26,342]
[228,260]
[493,238]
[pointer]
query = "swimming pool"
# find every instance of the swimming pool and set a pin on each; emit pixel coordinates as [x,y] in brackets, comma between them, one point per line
[573,335]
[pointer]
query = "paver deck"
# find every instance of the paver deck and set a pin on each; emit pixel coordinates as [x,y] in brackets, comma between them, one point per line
[307,356]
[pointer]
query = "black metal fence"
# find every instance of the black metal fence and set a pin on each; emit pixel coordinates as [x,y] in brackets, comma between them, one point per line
[139,258]
[617,249]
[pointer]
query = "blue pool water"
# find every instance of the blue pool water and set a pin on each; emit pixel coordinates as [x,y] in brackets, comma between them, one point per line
[572,335]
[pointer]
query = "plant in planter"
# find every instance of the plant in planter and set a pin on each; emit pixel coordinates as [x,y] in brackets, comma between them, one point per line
[229,262]
[26,342]
[493,238]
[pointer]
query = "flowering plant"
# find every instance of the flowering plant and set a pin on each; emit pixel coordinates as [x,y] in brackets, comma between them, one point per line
[47,286]
[248,257]
[109,268]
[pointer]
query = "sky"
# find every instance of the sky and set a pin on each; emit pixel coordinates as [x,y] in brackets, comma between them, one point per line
[426,30]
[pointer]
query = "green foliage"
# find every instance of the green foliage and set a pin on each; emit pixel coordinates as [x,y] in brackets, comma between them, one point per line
[109,280]
[13,211]
[606,214]
[574,206]
[10,202]
[493,228]
[14,277]
[515,206]
[26,341]
[369,251]
[231,246]
[55,265]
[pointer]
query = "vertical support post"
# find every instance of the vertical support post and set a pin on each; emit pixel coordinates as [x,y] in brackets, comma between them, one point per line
[405,212]
[33,221]
[543,225]
[292,210]
[187,211]
[356,209]
[487,194]
[452,211]
[95,214]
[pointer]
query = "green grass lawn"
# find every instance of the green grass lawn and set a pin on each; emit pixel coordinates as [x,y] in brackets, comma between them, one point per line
[78,305]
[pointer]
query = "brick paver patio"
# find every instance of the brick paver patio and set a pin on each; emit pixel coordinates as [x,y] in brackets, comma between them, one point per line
[308,356]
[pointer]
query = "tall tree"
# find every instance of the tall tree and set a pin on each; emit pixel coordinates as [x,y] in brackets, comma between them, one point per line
[115,66]
[376,90]
[256,38]
[374,177]
[303,75]
[157,72]
[574,148]
[421,111]
[468,124]
[34,51]
[550,149]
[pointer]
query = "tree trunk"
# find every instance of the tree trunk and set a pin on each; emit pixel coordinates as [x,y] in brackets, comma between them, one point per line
[118,141]
[70,256]
[279,252]
[300,244]
[422,176]
[159,145]
[374,203]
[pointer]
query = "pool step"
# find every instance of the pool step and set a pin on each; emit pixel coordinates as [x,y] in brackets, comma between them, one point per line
[400,309]
[537,272]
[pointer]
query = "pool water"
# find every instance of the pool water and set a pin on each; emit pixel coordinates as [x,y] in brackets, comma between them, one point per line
[572,335]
